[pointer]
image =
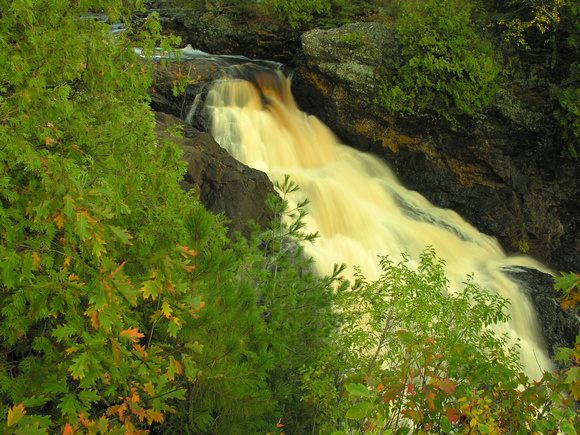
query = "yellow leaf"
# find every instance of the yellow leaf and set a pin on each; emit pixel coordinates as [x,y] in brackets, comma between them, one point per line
[95,319]
[66,262]
[178,367]
[132,334]
[15,414]
[154,416]
[166,310]
[36,260]
[60,220]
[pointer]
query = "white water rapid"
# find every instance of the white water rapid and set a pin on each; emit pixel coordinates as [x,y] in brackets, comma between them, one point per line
[358,207]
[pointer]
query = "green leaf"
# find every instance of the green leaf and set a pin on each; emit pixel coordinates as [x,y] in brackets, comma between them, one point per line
[359,390]
[572,375]
[63,332]
[121,234]
[88,396]
[483,428]
[445,424]
[68,208]
[360,410]
[567,282]
[81,226]
[34,401]
[67,403]
[173,329]
[79,365]
[567,428]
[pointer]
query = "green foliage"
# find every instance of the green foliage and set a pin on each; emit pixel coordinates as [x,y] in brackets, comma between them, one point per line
[236,7]
[353,40]
[412,357]
[296,12]
[296,304]
[320,13]
[83,247]
[568,115]
[523,246]
[121,307]
[447,65]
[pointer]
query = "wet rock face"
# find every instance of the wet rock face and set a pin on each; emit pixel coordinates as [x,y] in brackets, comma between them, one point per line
[197,74]
[559,326]
[502,171]
[222,184]
[256,38]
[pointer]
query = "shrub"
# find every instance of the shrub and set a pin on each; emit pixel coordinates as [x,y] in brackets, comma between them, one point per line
[447,66]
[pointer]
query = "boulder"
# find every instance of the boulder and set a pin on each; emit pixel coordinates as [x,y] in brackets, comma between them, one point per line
[222,184]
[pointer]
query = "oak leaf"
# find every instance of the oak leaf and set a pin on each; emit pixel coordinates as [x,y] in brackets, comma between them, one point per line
[132,334]
[15,414]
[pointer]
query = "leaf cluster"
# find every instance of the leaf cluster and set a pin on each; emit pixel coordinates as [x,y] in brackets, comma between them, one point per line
[122,309]
[447,65]
[415,357]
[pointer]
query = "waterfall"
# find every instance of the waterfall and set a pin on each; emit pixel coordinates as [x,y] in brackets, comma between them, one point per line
[357,205]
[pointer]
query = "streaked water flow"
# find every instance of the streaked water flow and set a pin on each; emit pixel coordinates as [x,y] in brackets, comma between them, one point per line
[357,205]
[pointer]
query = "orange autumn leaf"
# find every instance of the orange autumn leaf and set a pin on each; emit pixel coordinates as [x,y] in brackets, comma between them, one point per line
[132,334]
[68,430]
[186,251]
[66,263]
[60,220]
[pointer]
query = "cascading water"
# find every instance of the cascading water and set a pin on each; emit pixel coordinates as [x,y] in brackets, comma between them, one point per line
[358,207]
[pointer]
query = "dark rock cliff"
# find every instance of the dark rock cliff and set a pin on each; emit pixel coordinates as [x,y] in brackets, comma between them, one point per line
[501,171]
[222,184]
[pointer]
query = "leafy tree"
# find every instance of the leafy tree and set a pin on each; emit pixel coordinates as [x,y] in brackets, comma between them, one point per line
[118,298]
[297,12]
[297,305]
[447,66]
[251,365]
[568,114]
[320,13]
[423,360]
[522,20]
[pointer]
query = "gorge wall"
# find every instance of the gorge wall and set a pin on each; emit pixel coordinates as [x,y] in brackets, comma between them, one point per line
[499,171]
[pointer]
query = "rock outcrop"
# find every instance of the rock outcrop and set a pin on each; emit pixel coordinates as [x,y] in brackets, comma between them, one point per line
[559,326]
[222,184]
[501,171]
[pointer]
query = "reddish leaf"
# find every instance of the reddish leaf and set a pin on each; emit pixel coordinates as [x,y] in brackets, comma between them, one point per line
[117,269]
[445,385]
[431,400]
[453,415]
